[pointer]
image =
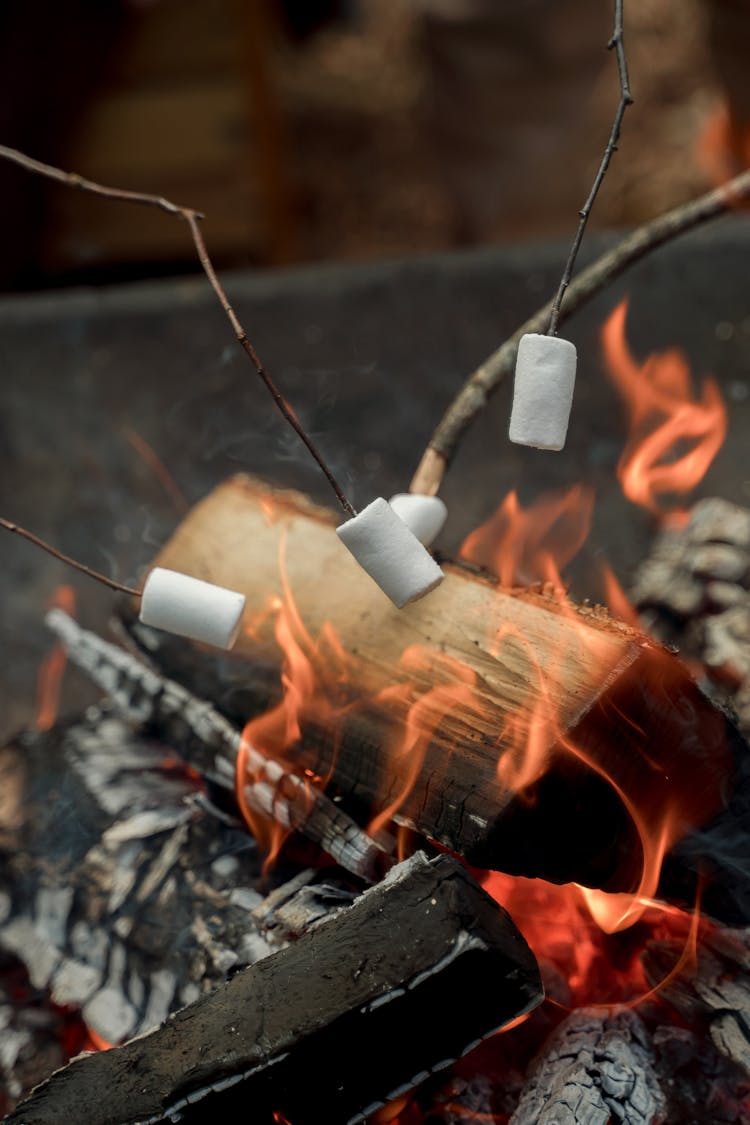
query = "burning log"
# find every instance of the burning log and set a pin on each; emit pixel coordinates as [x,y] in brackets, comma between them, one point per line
[285,1037]
[515,730]
[598,1066]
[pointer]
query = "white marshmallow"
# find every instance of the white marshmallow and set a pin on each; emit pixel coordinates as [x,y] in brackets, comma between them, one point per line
[543,391]
[391,554]
[423,515]
[191,608]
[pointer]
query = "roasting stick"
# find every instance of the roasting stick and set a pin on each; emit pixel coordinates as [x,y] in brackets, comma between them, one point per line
[384,545]
[175,602]
[546,364]
[211,744]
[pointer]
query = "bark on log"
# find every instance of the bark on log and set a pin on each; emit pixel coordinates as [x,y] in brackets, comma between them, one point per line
[287,1038]
[472,663]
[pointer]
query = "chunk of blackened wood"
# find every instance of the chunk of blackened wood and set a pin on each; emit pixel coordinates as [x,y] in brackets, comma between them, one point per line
[713,992]
[637,723]
[355,1012]
[597,1067]
[702,1087]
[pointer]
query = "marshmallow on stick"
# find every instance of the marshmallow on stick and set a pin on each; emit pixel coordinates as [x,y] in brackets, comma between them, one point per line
[391,554]
[423,515]
[543,391]
[191,608]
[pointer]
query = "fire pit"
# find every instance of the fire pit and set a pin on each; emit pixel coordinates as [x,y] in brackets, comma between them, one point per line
[126,406]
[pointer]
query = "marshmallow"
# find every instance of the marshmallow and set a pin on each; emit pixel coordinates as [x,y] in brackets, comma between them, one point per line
[391,554]
[543,391]
[423,515]
[191,608]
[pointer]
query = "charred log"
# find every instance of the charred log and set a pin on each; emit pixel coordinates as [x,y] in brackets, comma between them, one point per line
[209,743]
[617,700]
[711,991]
[286,1036]
[701,1085]
[596,1067]
[122,888]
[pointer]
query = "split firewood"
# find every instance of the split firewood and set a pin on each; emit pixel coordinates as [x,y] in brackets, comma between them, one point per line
[597,1067]
[122,888]
[427,714]
[284,1039]
[711,991]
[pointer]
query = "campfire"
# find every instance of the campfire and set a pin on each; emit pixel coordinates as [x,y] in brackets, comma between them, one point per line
[358,832]
[588,959]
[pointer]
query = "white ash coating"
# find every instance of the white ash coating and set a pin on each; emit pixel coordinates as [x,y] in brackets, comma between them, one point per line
[191,608]
[543,391]
[425,516]
[391,554]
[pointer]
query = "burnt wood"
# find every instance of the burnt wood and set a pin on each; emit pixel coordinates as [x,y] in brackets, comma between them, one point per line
[597,1067]
[366,1005]
[123,889]
[627,708]
[712,992]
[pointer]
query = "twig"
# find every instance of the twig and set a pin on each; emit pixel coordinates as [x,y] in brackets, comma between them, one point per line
[473,396]
[192,218]
[626,99]
[118,586]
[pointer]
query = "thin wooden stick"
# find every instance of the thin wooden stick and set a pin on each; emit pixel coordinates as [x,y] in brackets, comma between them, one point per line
[192,218]
[87,570]
[476,391]
[626,99]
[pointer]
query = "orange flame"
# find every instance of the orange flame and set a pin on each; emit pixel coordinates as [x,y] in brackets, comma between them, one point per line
[523,547]
[96,1042]
[52,668]
[423,717]
[616,599]
[674,437]
[313,672]
[723,147]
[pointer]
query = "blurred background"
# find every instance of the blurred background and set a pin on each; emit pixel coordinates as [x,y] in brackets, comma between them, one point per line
[351,130]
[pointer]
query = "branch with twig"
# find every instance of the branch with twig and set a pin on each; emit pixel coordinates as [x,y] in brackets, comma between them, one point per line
[616,43]
[192,218]
[119,587]
[476,391]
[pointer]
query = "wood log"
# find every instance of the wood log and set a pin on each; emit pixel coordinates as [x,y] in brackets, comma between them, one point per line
[292,1038]
[428,714]
[122,889]
[597,1067]
[712,992]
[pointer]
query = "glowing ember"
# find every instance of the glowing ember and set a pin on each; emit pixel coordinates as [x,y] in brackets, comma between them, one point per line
[674,436]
